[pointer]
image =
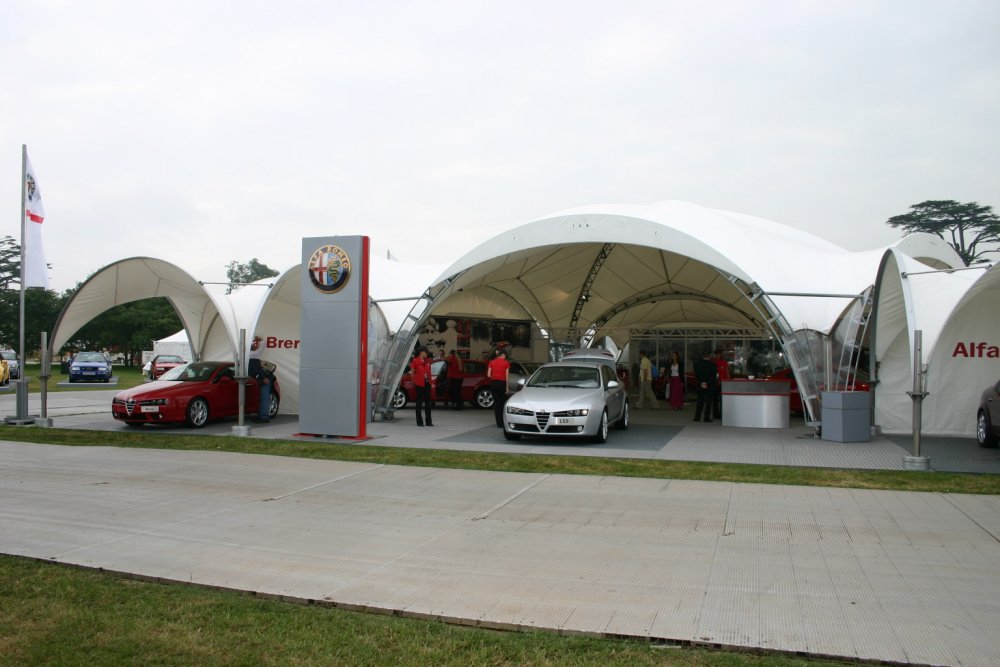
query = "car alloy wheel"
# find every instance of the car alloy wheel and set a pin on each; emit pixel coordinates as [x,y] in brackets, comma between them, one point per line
[602,430]
[398,399]
[197,412]
[622,423]
[984,431]
[272,408]
[484,398]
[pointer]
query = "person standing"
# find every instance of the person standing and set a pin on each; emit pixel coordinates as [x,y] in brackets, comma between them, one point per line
[676,380]
[454,380]
[646,394]
[423,383]
[722,373]
[498,370]
[704,374]
[264,378]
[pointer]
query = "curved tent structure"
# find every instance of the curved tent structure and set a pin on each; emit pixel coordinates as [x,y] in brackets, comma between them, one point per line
[212,321]
[954,310]
[609,270]
[142,278]
[665,264]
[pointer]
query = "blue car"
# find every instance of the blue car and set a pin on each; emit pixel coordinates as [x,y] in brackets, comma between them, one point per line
[90,367]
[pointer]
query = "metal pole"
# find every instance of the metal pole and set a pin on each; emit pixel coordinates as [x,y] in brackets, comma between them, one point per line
[241,428]
[44,421]
[21,386]
[916,461]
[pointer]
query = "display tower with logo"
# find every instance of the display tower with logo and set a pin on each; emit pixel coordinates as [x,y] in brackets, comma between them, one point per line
[333,385]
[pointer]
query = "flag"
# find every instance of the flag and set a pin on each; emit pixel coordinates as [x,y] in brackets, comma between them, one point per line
[36,271]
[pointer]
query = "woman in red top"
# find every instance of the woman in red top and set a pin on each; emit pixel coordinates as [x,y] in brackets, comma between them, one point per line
[497,371]
[420,371]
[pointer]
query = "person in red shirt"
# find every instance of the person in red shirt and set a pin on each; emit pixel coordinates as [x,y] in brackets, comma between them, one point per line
[722,367]
[423,383]
[498,371]
[454,380]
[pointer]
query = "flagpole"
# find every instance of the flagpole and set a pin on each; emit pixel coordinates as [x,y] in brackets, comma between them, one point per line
[22,381]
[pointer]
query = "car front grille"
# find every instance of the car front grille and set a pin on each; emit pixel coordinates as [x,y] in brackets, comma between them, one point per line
[542,419]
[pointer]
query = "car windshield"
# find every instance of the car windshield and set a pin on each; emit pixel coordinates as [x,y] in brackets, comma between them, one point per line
[564,375]
[90,356]
[169,359]
[198,371]
[10,355]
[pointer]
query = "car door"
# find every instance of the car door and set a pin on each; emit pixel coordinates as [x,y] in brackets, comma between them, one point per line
[439,371]
[613,398]
[225,397]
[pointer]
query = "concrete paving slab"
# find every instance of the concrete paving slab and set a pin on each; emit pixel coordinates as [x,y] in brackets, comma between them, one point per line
[882,575]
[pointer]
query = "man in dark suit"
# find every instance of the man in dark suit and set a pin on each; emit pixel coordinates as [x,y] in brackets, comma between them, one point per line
[705,377]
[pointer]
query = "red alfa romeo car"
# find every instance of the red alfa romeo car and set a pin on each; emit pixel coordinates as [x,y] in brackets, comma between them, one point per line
[162,363]
[475,384]
[191,394]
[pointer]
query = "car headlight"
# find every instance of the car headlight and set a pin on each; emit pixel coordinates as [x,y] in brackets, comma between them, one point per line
[75,369]
[581,412]
[514,410]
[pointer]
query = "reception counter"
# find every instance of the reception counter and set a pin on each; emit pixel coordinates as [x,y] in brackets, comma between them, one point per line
[755,403]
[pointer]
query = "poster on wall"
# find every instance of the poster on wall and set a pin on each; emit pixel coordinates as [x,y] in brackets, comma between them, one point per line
[474,338]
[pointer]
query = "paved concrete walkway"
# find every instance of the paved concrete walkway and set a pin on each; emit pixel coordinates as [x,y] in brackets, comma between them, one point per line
[900,577]
[881,575]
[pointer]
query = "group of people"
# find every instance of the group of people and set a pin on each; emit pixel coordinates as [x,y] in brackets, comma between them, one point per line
[673,386]
[497,370]
[709,371]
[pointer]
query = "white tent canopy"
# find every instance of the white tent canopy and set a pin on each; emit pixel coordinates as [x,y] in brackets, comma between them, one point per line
[948,308]
[666,265]
[176,343]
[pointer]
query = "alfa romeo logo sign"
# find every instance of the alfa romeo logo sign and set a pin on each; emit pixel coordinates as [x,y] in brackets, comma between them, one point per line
[329,269]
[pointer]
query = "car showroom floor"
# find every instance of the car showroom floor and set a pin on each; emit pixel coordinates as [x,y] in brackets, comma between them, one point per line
[901,577]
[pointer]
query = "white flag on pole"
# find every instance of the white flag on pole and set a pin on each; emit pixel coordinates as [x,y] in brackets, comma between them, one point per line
[36,272]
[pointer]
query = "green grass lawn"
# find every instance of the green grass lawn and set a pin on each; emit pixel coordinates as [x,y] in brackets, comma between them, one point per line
[57,615]
[127,376]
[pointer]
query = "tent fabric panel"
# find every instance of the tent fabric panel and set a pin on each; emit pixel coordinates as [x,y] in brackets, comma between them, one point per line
[956,377]
[122,282]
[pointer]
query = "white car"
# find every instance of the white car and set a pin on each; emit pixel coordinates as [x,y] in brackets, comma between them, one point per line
[568,398]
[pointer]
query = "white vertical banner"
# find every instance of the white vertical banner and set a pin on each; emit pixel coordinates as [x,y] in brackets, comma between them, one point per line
[36,273]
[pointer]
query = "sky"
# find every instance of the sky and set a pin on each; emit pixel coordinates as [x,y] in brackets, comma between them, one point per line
[205,132]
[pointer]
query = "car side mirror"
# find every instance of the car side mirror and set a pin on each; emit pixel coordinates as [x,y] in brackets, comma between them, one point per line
[521,382]
[613,384]
[223,379]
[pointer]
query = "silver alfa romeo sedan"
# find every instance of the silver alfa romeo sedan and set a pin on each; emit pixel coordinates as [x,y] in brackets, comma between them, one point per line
[568,399]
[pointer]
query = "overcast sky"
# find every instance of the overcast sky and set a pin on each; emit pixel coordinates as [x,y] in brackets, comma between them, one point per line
[203,132]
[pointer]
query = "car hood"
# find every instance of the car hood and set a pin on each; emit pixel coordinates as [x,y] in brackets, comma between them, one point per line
[157,389]
[90,364]
[537,399]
